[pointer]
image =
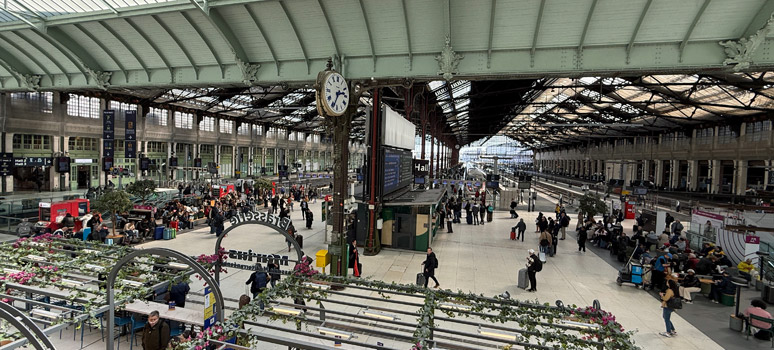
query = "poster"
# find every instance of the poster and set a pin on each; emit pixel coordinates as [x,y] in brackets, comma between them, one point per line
[209,308]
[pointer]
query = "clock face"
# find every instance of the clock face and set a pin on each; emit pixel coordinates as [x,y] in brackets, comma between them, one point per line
[335,94]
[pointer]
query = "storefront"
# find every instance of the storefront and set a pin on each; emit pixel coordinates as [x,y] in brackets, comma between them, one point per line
[270,163]
[157,156]
[85,164]
[226,162]
[32,162]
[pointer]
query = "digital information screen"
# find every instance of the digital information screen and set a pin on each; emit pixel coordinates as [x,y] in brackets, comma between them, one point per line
[398,172]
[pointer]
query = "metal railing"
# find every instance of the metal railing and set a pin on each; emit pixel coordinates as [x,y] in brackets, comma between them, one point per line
[9,224]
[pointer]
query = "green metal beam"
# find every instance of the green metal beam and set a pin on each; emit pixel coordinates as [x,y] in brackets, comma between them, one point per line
[10,59]
[261,32]
[537,31]
[760,19]
[586,25]
[408,33]
[295,32]
[225,31]
[152,45]
[47,55]
[692,27]
[637,30]
[206,42]
[330,28]
[128,48]
[368,31]
[11,71]
[81,57]
[179,44]
[105,49]
[491,34]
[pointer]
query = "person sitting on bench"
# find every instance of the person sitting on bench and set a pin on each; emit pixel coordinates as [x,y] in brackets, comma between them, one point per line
[690,285]
[758,308]
[720,286]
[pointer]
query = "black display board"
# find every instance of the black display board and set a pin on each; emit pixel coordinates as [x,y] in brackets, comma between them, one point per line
[397,169]
[130,134]
[63,164]
[6,164]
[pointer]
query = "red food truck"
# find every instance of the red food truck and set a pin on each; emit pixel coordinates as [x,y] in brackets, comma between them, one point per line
[220,191]
[50,215]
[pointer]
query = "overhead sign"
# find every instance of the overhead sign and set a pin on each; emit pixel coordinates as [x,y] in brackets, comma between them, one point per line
[262,218]
[108,132]
[173,161]
[33,161]
[421,167]
[130,134]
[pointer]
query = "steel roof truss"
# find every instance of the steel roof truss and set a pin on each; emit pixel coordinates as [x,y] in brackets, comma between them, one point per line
[178,43]
[637,30]
[295,32]
[46,54]
[537,31]
[263,36]
[127,47]
[105,49]
[408,34]
[206,42]
[153,46]
[692,27]
[368,30]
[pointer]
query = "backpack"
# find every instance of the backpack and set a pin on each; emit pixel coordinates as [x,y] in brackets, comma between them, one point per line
[436,262]
[544,242]
[537,265]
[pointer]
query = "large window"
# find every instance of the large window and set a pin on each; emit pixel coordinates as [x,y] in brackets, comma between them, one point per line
[157,116]
[207,124]
[82,106]
[183,120]
[272,133]
[758,131]
[83,144]
[121,108]
[156,147]
[704,136]
[725,135]
[226,126]
[44,101]
[293,136]
[35,142]
[258,129]
[207,149]
[243,129]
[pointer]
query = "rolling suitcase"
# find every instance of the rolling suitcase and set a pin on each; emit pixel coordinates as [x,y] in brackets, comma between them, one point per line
[469,220]
[158,233]
[513,234]
[522,281]
[542,256]
[421,279]
[166,234]
[172,233]
[300,240]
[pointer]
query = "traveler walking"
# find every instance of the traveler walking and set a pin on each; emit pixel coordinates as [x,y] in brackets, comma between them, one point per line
[582,237]
[430,264]
[258,281]
[564,221]
[475,213]
[521,227]
[482,211]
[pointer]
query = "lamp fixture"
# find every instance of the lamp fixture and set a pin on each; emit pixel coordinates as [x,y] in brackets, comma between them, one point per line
[491,333]
[72,283]
[37,258]
[94,267]
[335,333]
[285,311]
[178,266]
[454,306]
[132,283]
[45,314]
[89,251]
[316,285]
[580,324]
[380,315]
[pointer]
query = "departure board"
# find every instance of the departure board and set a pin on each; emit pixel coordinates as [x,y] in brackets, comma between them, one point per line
[397,172]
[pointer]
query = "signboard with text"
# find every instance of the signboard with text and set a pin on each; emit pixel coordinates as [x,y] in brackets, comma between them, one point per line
[108,132]
[6,164]
[209,308]
[32,161]
[130,134]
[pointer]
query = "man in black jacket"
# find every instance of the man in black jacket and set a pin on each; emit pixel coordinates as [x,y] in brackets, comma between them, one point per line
[155,335]
[521,227]
[258,281]
[430,264]
[178,292]
[534,265]
[689,285]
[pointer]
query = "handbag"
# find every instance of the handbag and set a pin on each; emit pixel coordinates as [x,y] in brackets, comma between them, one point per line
[674,303]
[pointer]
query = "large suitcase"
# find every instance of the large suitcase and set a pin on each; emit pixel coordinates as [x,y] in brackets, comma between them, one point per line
[469,219]
[166,235]
[158,233]
[513,235]
[522,282]
[172,233]
[300,240]
[542,256]
[421,279]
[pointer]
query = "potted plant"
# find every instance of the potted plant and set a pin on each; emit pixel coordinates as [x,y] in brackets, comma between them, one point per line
[591,205]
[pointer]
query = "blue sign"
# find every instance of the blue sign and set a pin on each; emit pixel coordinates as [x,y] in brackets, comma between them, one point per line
[130,134]
[391,179]
[108,146]
[209,308]
[108,124]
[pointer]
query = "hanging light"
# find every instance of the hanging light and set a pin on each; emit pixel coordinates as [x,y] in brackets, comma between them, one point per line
[454,306]
[580,324]
[491,333]
[317,285]
[136,284]
[285,311]
[335,332]
[178,266]
[37,258]
[380,315]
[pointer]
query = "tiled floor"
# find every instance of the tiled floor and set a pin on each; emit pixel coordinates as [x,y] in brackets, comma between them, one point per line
[480,259]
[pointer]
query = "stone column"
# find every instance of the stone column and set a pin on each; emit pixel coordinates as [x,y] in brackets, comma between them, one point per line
[715,175]
[740,182]
[693,175]
[657,179]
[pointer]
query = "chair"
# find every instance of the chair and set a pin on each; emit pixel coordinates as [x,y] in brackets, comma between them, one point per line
[120,322]
[136,325]
[177,330]
[769,321]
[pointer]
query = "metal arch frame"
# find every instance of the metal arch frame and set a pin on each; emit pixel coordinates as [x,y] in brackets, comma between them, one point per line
[220,25]
[330,29]
[295,32]
[26,326]
[586,26]
[46,54]
[637,30]
[537,32]
[254,222]
[127,47]
[178,43]
[368,31]
[263,36]
[71,46]
[491,34]
[153,46]
[206,42]
[169,253]
[104,48]
[692,27]
[408,34]
[10,71]
[759,20]
[14,66]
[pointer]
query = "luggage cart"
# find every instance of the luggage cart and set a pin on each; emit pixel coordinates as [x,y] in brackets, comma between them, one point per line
[633,272]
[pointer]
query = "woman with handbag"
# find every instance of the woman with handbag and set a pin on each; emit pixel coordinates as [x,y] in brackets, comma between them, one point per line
[669,302]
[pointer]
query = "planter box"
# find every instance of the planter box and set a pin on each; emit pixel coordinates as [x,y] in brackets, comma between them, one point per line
[735,323]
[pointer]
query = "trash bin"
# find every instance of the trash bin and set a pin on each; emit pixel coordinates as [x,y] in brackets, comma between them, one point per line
[735,323]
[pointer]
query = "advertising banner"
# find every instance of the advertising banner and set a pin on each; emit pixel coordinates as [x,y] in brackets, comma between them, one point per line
[108,132]
[130,134]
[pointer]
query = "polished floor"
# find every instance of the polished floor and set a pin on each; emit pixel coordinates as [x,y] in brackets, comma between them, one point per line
[479,259]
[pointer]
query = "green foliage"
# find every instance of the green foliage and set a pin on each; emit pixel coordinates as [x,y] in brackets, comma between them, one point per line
[143,189]
[591,205]
[113,203]
[262,184]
